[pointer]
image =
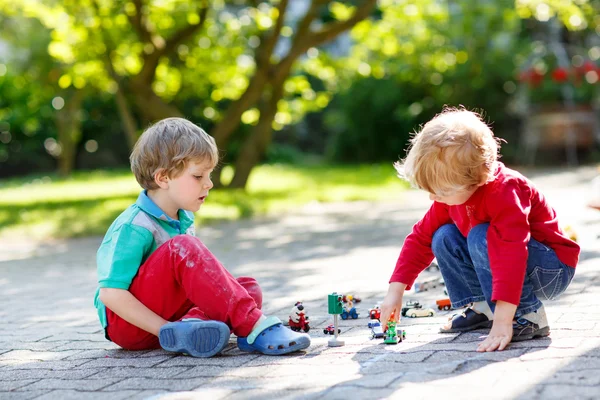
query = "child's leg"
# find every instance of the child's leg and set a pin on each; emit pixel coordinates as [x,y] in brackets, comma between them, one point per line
[179,275]
[451,250]
[546,277]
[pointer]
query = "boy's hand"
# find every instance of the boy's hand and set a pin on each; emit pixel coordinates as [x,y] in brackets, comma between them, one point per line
[502,329]
[499,337]
[392,303]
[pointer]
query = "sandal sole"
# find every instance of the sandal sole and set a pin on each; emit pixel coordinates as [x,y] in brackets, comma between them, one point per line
[199,339]
[542,332]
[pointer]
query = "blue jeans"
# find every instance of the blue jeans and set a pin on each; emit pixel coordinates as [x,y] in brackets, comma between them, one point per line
[465,266]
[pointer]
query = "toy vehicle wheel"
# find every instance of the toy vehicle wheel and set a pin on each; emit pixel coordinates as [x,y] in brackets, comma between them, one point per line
[446,308]
[325,331]
[306,328]
[413,315]
[431,313]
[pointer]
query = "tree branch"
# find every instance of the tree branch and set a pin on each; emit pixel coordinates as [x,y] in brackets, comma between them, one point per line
[265,51]
[328,32]
[139,24]
[331,30]
[151,61]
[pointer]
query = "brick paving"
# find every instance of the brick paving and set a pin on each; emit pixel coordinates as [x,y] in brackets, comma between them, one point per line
[51,345]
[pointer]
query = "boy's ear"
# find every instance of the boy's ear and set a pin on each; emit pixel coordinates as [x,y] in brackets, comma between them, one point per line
[161,179]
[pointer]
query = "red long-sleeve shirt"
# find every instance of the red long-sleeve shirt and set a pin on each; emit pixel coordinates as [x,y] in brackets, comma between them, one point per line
[515,210]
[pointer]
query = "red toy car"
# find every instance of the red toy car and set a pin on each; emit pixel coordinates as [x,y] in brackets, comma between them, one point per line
[375,312]
[329,329]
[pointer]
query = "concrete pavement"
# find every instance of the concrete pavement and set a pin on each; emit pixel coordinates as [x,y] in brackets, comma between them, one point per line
[51,345]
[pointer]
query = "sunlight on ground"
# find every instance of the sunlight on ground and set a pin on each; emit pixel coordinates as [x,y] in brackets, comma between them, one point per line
[86,204]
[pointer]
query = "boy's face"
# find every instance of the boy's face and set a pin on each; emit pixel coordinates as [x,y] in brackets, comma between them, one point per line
[456,198]
[189,189]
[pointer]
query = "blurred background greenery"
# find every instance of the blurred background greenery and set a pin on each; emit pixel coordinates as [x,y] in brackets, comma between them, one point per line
[308,100]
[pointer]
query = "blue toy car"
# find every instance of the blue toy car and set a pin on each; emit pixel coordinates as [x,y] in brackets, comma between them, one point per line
[376,330]
[350,313]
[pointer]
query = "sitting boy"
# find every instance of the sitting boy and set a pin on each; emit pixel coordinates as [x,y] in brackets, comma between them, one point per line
[496,239]
[158,285]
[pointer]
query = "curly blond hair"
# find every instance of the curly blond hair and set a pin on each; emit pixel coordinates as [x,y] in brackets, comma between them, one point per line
[454,151]
[168,146]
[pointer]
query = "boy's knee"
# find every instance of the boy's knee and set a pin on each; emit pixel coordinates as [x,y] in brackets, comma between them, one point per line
[439,240]
[185,242]
[477,238]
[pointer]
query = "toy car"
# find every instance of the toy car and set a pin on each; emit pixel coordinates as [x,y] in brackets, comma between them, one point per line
[420,312]
[350,313]
[444,304]
[375,312]
[410,305]
[376,330]
[329,329]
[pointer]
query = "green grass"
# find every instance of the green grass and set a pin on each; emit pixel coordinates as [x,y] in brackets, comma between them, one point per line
[85,204]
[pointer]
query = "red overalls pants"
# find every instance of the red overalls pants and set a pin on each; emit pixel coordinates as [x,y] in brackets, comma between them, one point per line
[183,279]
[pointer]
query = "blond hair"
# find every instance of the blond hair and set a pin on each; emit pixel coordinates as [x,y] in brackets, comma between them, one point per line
[169,145]
[454,151]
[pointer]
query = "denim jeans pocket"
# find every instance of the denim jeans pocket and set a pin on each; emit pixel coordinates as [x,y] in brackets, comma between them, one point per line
[547,283]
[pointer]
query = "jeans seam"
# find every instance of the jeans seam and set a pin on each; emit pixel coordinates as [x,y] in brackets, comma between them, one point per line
[468,300]
[520,312]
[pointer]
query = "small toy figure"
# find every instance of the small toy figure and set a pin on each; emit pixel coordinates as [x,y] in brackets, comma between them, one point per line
[444,304]
[298,319]
[391,336]
[349,310]
[335,307]
[375,312]
[376,330]
[330,329]
[351,297]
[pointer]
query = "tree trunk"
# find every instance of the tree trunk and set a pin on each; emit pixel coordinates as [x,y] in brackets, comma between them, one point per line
[257,143]
[127,120]
[150,105]
[69,132]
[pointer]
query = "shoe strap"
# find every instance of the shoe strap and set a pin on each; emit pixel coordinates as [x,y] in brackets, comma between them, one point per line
[266,324]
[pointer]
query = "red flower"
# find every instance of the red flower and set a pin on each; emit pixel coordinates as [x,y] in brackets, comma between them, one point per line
[560,75]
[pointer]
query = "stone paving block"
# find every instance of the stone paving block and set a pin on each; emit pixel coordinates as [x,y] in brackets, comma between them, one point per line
[130,372]
[84,385]
[228,361]
[215,371]
[110,353]
[140,394]
[166,384]
[125,362]
[551,391]
[87,345]
[22,395]
[54,365]
[31,346]
[6,386]
[21,374]
[28,355]
[79,395]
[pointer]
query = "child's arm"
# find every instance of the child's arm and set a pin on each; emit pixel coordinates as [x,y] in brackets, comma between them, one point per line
[126,306]
[502,329]
[392,302]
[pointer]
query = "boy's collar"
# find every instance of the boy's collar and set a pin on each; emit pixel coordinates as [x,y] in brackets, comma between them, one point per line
[150,207]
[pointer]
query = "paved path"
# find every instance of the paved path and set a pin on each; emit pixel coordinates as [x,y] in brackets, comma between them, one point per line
[51,346]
